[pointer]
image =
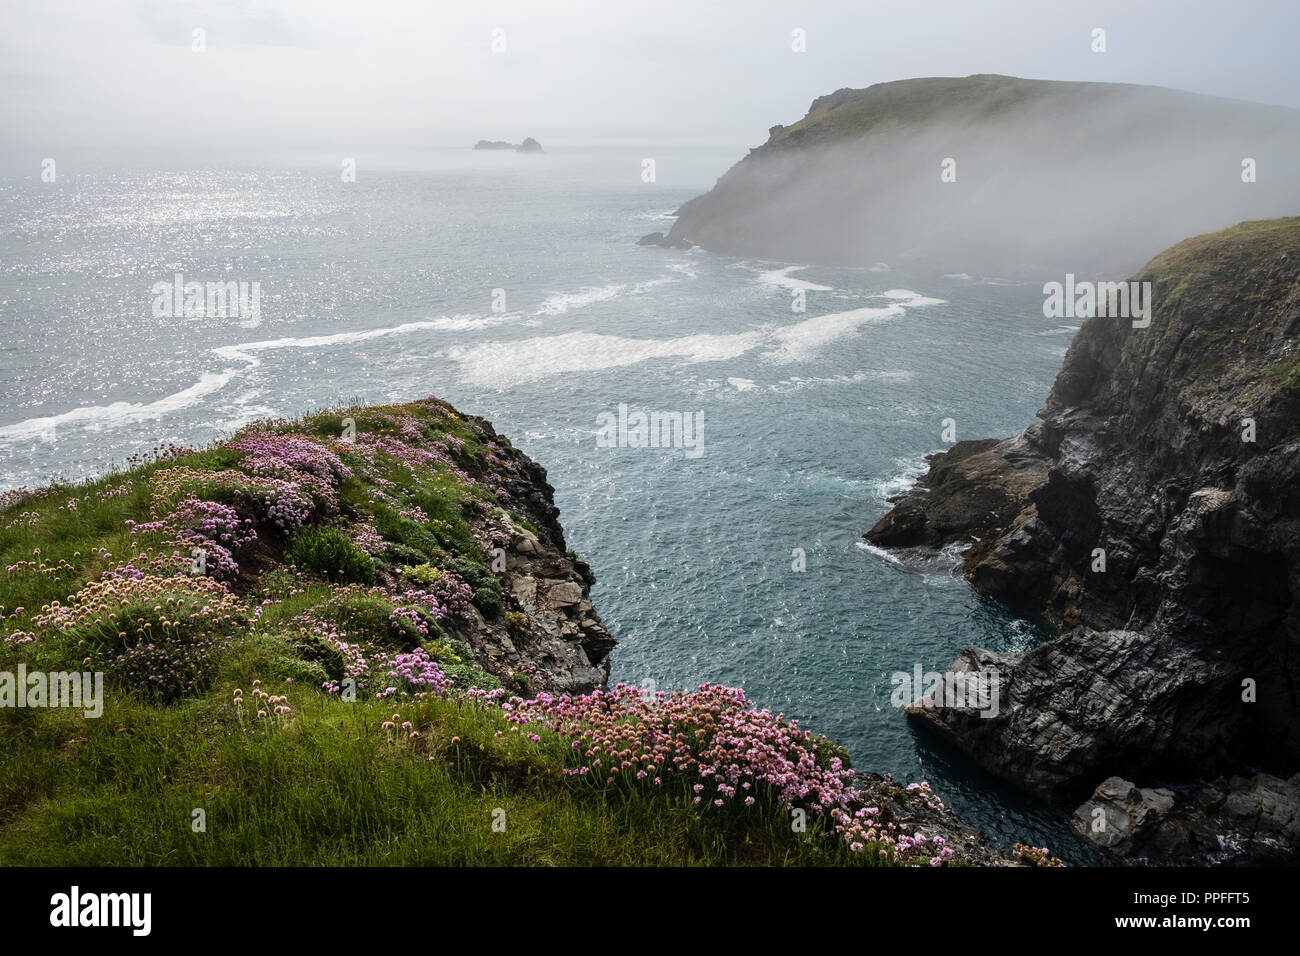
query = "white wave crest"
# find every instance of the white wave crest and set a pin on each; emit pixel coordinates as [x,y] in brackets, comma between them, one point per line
[116,414]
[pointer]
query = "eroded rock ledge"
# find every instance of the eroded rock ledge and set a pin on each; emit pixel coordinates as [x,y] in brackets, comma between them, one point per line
[561,644]
[1139,518]
[1241,819]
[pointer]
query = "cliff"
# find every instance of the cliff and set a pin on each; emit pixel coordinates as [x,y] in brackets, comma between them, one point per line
[358,638]
[1154,514]
[1044,177]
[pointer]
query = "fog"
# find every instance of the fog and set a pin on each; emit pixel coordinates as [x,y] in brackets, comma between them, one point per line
[119,81]
[1062,178]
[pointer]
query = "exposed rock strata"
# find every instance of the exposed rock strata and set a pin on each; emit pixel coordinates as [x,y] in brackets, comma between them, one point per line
[1137,515]
[1237,820]
[563,647]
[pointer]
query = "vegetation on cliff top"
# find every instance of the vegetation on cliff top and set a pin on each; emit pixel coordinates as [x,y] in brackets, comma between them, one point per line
[1228,262]
[273,618]
[907,104]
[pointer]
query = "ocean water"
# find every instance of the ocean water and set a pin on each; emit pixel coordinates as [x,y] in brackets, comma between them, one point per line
[512,286]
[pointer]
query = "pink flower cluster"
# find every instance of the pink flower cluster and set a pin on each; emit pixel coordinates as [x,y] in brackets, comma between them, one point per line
[416,674]
[368,540]
[364,658]
[411,456]
[288,455]
[288,506]
[445,597]
[728,751]
[216,528]
[169,665]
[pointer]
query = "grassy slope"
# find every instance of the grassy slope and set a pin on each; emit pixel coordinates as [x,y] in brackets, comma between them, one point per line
[849,114]
[325,782]
[333,788]
[909,104]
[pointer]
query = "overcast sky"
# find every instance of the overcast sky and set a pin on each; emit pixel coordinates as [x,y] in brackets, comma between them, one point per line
[327,74]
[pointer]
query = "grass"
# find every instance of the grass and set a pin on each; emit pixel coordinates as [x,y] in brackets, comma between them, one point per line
[911,104]
[251,720]
[1253,254]
[1285,375]
[333,788]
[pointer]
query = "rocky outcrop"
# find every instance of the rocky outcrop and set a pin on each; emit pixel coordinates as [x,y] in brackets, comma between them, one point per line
[1237,820]
[659,239]
[916,810]
[1154,514]
[551,633]
[999,176]
[529,145]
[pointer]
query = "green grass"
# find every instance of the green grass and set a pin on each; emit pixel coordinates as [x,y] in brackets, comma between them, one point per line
[325,783]
[1253,254]
[1285,375]
[911,104]
[330,787]
[329,553]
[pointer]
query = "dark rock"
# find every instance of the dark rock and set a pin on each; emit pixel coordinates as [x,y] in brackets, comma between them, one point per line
[667,242]
[1092,703]
[1239,820]
[1136,517]
[918,811]
[1120,816]
[565,647]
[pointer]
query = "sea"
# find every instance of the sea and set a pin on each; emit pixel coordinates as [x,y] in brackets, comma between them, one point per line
[512,286]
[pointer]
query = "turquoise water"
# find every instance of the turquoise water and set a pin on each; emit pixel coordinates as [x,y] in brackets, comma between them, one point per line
[383,289]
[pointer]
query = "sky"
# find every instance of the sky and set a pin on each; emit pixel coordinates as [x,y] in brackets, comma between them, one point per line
[111,75]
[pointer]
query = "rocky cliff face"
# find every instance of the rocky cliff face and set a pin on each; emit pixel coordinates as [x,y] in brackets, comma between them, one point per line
[1154,513]
[563,647]
[998,176]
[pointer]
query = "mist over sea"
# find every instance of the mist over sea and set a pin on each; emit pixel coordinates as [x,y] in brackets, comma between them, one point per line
[383,289]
